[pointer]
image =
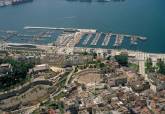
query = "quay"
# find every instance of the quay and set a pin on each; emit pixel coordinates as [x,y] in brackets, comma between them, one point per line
[96,39]
[107,39]
[89,36]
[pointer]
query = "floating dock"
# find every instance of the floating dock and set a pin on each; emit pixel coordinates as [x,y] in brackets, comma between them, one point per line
[96,39]
[107,39]
[89,36]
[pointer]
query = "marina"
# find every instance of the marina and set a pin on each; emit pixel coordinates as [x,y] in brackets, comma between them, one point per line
[96,39]
[109,21]
[107,39]
[70,37]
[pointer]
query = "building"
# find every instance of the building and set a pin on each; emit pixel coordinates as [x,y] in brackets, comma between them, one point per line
[39,68]
[5,69]
[140,86]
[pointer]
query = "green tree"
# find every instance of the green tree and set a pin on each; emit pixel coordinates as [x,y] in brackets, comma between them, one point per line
[149,66]
[102,65]
[85,53]
[161,66]
[109,57]
[94,55]
[18,74]
[122,59]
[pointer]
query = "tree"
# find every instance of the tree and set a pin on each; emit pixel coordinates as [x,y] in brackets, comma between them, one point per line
[94,55]
[161,66]
[102,65]
[109,57]
[18,74]
[149,65]
[122,59]
[76,69]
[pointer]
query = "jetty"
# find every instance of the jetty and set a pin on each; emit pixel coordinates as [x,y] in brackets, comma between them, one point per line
[89,36]
[107,39]
[96,39]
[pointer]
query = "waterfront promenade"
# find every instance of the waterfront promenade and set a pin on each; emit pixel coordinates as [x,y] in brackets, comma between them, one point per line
[139,56]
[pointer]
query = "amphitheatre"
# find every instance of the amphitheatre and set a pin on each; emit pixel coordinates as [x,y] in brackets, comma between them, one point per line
[88,76]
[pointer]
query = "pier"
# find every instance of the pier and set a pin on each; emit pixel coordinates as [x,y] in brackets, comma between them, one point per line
[129,36]
[107,39]
[134,40]
[96,39]
[85,42]
[119,40]
[64,39]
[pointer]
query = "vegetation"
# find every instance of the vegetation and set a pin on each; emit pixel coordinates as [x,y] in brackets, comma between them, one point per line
[94,55]
[85,53]
[161,66]
[122,59]
[149,66]
[18,74]
[61,95]
[133,66]
[63,79]
[101,65]
[109,57]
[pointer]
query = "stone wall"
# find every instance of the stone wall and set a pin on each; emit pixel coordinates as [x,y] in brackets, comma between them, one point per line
[24,89]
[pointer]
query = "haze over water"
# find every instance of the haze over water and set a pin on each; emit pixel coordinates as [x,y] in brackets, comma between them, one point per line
[140,17]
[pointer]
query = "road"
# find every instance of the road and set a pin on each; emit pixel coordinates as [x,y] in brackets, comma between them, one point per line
[70,75]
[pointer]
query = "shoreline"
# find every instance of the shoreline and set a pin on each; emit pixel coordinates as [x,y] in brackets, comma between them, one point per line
[84,48]
[77,40]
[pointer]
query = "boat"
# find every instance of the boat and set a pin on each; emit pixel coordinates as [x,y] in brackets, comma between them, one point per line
[16,2]
[142,38]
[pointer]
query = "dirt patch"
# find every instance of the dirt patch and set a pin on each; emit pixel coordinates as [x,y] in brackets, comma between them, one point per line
[89,78]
